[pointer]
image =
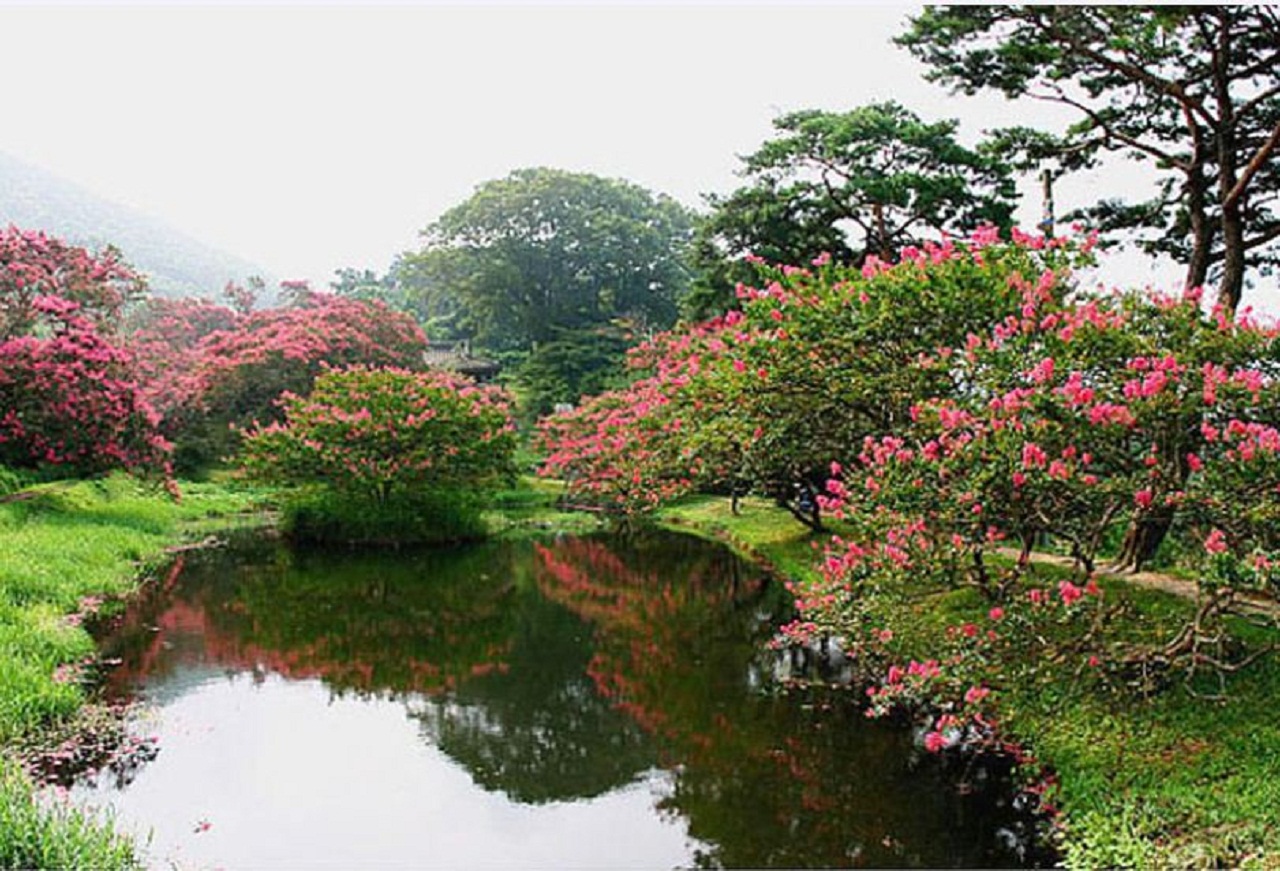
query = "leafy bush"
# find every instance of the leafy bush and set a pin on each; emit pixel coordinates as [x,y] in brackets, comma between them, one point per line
[425,517]
[70,395]
[210,369]
[387,454]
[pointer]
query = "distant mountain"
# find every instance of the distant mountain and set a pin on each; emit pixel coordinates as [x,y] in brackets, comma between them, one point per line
[176,264]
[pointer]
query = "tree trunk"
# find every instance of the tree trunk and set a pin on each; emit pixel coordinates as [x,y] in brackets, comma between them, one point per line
[803,507]
[1231,287]
[1047,216]
[882,233]
[1202,230]
[1144,536]
[1142,540]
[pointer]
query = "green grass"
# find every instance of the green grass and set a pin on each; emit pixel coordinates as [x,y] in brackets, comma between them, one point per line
[1169,781]
[530,508]
[39,834]
[60,544]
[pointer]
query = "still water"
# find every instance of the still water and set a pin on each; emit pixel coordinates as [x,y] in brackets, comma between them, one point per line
[583,702]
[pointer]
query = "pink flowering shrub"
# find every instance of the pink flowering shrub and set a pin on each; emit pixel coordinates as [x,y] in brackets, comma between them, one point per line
[766,398]
[953,413]
[377,439]
[1083,422]
[36,267]
[70,395]
[210,367]
[70,399]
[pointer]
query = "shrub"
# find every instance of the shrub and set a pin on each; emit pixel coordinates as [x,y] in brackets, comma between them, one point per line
[211,369]
[387,453]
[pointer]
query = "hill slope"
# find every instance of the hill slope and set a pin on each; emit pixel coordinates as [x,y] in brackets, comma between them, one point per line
[176,264]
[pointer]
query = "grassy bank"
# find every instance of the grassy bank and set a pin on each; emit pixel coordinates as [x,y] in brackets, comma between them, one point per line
[531,508]
[66,546]
[1170,781]
[63,547]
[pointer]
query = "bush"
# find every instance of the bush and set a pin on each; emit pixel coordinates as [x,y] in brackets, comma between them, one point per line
[210,369]
[387,454]
[427,517]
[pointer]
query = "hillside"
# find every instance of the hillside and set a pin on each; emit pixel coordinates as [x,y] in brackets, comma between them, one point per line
[176,264]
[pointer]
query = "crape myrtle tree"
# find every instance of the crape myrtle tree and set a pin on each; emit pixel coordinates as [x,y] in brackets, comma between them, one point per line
[765,399]
[70,395]
[1083,415]
[382,439]
[34,265]
[211,368]
[546,256]
[1192,91]
[850,184]
[1044,415]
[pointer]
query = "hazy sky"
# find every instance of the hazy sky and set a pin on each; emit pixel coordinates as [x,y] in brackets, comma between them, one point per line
[306,138]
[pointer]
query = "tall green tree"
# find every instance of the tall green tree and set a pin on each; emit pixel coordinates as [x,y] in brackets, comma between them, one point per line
[404,289]
[1193,91]
[852,184]
[544,250]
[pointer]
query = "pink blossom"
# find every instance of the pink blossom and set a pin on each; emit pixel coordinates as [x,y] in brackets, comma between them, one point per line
[1069,592]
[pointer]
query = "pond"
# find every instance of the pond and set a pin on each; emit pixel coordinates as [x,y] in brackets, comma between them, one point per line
[579,702]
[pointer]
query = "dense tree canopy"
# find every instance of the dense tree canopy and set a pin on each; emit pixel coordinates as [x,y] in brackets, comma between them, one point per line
[544,249]
[1192,90]
[767,397]
[852,184]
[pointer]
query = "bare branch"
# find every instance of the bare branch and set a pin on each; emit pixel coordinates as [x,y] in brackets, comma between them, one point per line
[1259,159]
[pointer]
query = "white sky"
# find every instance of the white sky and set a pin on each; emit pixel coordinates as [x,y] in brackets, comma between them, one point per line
[306,138]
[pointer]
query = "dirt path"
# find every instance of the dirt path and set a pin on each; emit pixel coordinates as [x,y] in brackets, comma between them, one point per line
[1150,580]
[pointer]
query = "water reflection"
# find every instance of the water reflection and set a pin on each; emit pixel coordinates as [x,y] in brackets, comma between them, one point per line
[616,687]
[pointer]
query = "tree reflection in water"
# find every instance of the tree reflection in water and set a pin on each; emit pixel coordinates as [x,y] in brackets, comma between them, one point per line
[562,670]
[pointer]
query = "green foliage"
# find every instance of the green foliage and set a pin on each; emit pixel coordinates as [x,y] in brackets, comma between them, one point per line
[545,249]
[36,834]
[405,287]
[423,517]
[1190,90]
[12,480]
[865,182]
[395,455]
[551,268]
[576,363]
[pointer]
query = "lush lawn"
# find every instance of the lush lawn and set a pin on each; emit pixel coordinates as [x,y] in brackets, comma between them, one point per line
[62,546]
[1170,781]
